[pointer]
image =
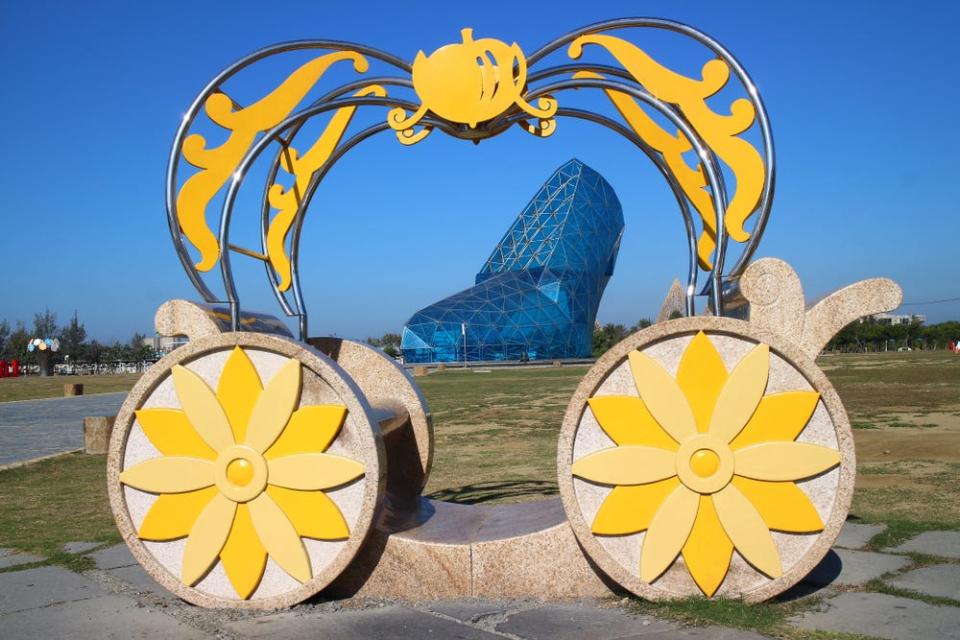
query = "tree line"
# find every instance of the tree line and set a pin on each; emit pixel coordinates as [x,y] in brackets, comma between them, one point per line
[864,335]
[870,335]
[605,336]
[73,342]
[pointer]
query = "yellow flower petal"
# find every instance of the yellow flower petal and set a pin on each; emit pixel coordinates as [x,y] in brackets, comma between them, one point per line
[662,396]
[627,421]
[747,531]
[312,471]
[237,391]
[313,513]
[782,505]
[701,375]
[741,394]
[243,556]
[169,475]
[274,406]
[668,532]
[172,515]
[779,416]
[708,550]
[207,537]
[311,429]
[781,461]
[626,465]
[277,534]
[628,510]
[172,434]
[202,408]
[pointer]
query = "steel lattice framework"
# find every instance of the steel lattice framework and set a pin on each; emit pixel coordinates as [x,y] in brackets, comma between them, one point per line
[538,292]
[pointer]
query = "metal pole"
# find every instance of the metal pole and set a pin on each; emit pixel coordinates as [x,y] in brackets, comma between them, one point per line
[463,330]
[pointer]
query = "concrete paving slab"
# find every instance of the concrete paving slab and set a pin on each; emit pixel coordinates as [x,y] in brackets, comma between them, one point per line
[945,544]
[139,580]
[34,428]
[21,590]
[883,616]
[80,547]
[468,609]
[856,536]
[12,557]
[368,624]
[114,557]
[571,622]
[104,618]
[941,581]
[848,567]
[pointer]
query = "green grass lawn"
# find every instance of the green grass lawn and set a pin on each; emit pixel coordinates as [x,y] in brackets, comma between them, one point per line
[36,387]
[45,505]
[496,431]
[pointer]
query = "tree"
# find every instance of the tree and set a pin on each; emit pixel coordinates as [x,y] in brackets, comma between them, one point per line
[606,336]
[16,346]
[45,324]
[4,336]
[140,348]
[72,339]
[389,342]
[92,352]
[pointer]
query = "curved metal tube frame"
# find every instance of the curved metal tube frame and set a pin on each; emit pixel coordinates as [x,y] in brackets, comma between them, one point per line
[702,151]
[198,102]
[275,169]
[252,154]
[333,100]
[763,120]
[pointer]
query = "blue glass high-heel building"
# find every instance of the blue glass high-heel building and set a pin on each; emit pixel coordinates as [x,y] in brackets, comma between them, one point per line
[537,295]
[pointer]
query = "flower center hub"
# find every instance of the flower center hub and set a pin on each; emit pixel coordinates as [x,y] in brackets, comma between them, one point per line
[704,462]
[240,473]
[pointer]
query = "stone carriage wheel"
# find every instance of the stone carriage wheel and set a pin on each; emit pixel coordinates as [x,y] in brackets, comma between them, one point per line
[244,471]
[706,456]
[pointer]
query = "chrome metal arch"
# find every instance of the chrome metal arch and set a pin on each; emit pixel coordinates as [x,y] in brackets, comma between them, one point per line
[286,131]
[762,212]
[298,119]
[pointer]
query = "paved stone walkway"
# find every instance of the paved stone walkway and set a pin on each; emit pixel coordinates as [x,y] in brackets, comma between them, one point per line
[119,600]
[33,428]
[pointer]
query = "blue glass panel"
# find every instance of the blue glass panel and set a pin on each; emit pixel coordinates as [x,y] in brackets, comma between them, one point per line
[537,294]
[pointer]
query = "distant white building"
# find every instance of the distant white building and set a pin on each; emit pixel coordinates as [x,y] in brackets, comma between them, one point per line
[897,319]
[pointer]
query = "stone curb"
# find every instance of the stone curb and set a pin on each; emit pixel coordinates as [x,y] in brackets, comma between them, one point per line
[27,463]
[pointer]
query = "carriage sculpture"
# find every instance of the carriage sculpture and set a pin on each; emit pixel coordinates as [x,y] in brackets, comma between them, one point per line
[708,455]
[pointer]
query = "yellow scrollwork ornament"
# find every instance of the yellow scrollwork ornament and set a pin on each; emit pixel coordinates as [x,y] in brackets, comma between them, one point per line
[217,164]
[719,132]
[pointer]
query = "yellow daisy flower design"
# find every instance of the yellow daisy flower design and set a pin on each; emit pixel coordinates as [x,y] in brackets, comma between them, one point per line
[242,473]
[705,463]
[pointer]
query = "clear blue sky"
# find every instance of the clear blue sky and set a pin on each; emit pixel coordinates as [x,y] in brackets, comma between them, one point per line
[862,97]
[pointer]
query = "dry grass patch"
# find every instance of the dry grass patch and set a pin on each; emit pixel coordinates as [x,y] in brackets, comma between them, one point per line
[35,388]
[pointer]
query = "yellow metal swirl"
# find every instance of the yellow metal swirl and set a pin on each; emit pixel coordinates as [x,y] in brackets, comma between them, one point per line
[719,132]
[219,163]
[288,201]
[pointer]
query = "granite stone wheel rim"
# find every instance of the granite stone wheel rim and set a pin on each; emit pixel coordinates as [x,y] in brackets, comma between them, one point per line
[653,499]
[262,515]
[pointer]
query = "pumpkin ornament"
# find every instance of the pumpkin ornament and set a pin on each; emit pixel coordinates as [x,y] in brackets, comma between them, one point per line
[469,83]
